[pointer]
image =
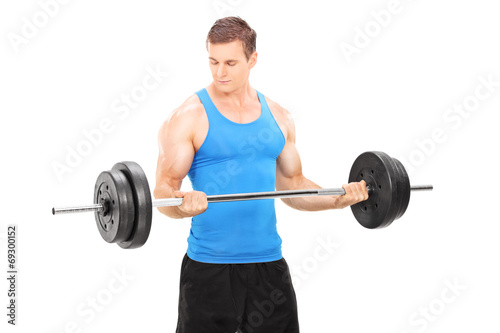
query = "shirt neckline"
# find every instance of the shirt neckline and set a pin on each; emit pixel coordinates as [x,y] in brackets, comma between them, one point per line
[233,122]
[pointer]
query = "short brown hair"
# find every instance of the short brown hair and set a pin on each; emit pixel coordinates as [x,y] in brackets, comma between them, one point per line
[231,28]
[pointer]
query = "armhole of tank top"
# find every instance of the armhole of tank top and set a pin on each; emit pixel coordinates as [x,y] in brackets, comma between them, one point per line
[208,131]
[274,119]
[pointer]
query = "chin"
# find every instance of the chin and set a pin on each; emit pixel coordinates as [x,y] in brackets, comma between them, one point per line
[225,87]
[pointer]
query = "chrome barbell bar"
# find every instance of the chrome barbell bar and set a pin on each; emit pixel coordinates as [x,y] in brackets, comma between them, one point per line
[232,197]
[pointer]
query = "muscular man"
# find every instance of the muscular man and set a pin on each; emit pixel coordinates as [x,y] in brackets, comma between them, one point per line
[230,138]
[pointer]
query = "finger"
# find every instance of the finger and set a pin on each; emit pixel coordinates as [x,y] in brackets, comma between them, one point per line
[353,188]
[363,193]
[202,201]
[358,192]
[185,201]
[346,188]
[198,199]
[179,194]
[364,189]
[201,195]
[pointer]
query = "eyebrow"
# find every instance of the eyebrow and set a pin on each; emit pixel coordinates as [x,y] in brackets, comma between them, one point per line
[230,60]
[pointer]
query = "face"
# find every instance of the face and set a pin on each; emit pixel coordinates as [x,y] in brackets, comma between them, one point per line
[229,66]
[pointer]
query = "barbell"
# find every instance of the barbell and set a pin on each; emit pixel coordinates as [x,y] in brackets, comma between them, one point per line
[123,207]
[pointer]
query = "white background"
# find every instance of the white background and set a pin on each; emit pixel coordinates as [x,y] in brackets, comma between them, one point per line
[391,96]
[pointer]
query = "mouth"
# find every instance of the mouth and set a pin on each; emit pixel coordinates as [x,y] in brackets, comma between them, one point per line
[224,82]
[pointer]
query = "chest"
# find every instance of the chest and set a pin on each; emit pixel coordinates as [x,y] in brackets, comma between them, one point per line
[251,115]
[240,115]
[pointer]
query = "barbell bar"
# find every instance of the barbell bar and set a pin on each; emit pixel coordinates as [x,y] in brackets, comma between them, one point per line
[123,203]
[168,202]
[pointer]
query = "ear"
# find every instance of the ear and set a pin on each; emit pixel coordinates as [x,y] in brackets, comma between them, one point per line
[253,60]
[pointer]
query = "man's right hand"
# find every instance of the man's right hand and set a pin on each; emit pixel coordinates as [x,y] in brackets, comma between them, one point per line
[193,202]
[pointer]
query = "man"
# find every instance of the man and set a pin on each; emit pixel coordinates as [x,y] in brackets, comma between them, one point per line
[229,138]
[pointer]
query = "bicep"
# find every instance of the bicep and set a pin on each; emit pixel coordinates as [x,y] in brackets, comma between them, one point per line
[288,167]
[176,153]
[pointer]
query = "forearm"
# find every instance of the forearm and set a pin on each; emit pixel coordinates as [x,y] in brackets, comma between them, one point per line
[315,203]
[173,212]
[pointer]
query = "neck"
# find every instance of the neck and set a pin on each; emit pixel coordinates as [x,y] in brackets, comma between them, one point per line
[239,97]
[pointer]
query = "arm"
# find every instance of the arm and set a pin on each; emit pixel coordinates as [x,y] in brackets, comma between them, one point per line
[289,177]
[176,153]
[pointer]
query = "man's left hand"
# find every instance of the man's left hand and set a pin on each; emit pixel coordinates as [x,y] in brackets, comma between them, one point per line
[354,192]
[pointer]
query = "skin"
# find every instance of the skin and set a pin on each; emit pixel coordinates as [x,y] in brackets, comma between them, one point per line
[183,133]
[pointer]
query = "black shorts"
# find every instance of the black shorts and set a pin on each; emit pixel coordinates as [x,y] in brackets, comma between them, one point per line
[246,298]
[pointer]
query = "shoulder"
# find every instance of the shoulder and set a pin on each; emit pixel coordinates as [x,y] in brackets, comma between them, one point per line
[191,108]
[283,117]
[187,112]
[183,118]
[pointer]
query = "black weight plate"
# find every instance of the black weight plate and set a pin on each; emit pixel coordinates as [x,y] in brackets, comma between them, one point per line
[143,204]
[392,172]
[405,191]
[112,189]
[375,168]
[398,176]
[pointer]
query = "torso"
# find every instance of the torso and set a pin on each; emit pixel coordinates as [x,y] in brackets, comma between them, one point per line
[249,114]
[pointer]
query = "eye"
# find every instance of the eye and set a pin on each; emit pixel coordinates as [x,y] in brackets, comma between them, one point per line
[214,62]
[231,64]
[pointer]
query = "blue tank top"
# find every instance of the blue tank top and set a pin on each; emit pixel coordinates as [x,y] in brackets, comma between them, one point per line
[236,158]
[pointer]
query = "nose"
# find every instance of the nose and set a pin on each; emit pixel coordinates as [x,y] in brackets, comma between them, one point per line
[221,71]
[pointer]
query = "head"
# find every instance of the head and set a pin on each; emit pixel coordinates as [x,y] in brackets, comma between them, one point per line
[231,45]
